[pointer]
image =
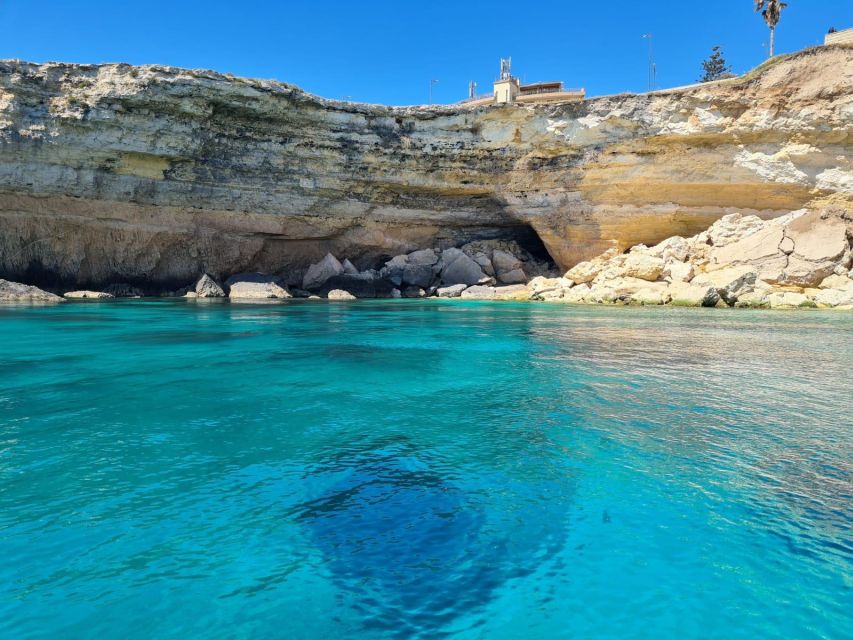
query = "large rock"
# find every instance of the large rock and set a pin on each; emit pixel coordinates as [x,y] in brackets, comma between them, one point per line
[621,289]
[458,268]
[206,287]
[417,274]
[517,292]
[655,293]
[577,294]
[542,288]
[87,295]
[589,270]
[338,294]
[674,248]
[787,300]
[320,272]
[516,276]
[800,249]
[453,291]
[760,249]
[842,283]
[834,297]
[504,262]
[349,267]
[393,269]
[730,283]
[732,228]
[16,292]
[485,263]
[675,271]
[693,295]
[479,292]
[753,300]
[257,286]
[423,257]
[362,285]
[819,242]
[645,267]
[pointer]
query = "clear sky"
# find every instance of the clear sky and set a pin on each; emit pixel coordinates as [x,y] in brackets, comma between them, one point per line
[387,52]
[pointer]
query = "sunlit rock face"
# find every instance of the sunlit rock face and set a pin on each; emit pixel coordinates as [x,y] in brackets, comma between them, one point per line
[156,174]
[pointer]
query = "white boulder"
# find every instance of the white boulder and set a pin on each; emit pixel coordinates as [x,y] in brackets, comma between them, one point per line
[256,286]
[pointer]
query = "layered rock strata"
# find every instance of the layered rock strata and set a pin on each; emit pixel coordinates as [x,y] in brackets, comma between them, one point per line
[149,176]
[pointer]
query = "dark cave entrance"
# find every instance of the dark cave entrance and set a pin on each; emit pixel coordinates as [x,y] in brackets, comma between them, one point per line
[529,240]
[523,234]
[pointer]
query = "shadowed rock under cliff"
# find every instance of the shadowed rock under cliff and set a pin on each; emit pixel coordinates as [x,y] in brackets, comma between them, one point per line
[156,174]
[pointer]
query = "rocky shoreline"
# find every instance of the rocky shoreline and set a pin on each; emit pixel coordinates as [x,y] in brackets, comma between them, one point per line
[802,259]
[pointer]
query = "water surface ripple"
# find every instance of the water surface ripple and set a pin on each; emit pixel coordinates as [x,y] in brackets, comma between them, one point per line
[424,469]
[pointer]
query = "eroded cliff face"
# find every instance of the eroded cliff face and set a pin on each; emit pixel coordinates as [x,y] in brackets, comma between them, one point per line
[155,174]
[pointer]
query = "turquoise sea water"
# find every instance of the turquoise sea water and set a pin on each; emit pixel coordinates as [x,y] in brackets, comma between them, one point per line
[417,469]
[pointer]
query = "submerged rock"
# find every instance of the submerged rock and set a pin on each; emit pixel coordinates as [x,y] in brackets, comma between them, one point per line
[16,292]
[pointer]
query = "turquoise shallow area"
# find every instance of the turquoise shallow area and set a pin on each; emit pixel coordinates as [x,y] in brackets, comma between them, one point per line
[417,469]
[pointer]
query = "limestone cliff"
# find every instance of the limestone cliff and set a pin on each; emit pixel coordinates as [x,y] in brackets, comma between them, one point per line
[156,174]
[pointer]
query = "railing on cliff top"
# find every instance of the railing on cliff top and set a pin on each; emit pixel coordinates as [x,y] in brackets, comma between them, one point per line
[482,96]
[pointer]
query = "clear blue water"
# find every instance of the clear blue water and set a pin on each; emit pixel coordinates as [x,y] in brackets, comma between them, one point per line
[416,469]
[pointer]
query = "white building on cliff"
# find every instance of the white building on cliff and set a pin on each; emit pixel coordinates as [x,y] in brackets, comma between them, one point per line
[508,89]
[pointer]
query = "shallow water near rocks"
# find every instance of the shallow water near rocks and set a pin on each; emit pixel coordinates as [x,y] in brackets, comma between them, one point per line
[420,469]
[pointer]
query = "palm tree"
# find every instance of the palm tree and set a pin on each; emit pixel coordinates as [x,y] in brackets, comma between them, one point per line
[771,10]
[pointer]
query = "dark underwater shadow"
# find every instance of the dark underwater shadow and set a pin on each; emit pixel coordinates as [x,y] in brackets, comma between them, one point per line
[413,549]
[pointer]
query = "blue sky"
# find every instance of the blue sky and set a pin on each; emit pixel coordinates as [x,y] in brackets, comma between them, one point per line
[387,52]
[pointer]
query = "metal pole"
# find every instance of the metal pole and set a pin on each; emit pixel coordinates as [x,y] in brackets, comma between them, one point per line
[652,71]
[431,82]
[653,67]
